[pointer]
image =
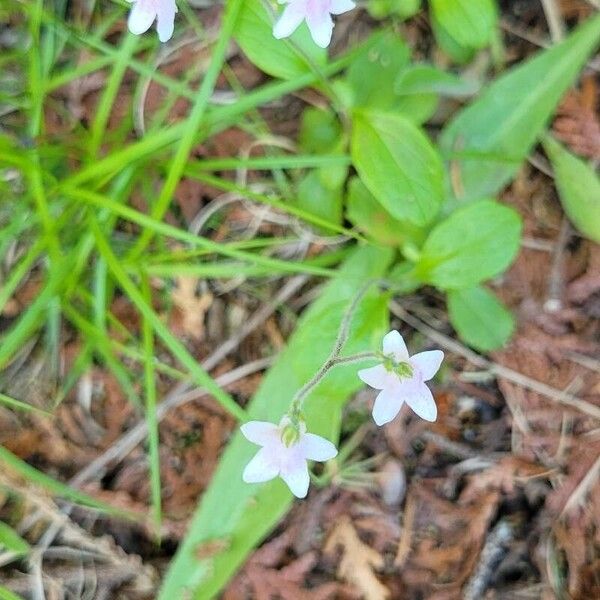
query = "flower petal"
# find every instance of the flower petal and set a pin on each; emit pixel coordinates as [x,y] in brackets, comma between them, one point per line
[377,377]
[165,19]
[140,18]
[422,402]
[393,344]
[341,6]
[428,362]
[315,447]
[320,24]
[292,16]
[387,405]
[260,432]
[262,467]
[295,474]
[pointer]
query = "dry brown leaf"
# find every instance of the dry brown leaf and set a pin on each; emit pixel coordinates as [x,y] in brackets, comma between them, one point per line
[192,307]
[358,561]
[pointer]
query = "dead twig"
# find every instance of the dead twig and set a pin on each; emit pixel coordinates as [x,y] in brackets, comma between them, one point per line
[493,550]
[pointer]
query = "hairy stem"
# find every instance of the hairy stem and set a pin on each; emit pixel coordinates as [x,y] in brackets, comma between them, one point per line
[334,358]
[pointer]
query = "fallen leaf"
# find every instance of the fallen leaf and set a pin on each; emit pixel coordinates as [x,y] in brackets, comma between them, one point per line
[358,561]
[191,306]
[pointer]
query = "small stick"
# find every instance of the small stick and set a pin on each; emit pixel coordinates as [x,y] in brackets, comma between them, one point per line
[495,547]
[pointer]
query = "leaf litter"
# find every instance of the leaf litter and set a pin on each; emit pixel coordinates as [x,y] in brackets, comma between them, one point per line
[500,497]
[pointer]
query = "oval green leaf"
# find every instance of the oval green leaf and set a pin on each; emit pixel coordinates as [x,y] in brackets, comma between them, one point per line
[473,244]
[578,187]
[398,164]
[480,319]
[470,23]
[489,140]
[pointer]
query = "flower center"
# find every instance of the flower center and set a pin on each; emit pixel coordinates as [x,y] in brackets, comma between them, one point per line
[290,435]
[402,369]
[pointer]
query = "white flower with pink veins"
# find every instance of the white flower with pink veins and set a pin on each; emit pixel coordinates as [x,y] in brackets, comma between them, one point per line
[316,13]
[285,451]
[145,12]
[401,378]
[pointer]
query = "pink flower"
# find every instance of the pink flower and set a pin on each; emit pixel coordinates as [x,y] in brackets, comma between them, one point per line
[316,13]
[285,450]
[401,378]
[145,12]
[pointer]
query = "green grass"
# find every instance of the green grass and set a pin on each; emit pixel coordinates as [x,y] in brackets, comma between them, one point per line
[69,211]
[82,240]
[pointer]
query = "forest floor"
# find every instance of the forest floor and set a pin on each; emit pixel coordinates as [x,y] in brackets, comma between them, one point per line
[498,499]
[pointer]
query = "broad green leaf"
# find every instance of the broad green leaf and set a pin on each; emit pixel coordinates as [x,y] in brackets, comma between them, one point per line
[371,76]
[321,133]
[234,517]
[319,200]
[456,52]
[470,23]
[427,79]
[398,164]
[365,213]
[279,58]
[476,242]
[418,88]
[11,541]
[380,9]
[479,318]
[488,141]
[578,187]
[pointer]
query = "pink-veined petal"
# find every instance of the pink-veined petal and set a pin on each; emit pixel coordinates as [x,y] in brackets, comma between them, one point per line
[387,405]
[295,474]
[393,345]
[165,19]
[262,467]
[320,25]
[140,18]
[428,362]
[421,400]
[315,447]
[339,7]
[260,432]
[293,14]
[377,377]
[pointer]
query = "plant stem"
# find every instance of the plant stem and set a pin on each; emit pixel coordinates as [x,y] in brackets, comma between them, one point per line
[334,358]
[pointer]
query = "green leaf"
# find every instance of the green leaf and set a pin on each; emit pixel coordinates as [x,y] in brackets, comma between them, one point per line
[578,187]
[279,58]
[235,517]
[319,200]
[427,79]
[380,9]
[476,242]
[398,164]
[456,52]
[489,140]
[364,212]
[321,133]
[470,23]
[11,541]
[479,318]
[371,76]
